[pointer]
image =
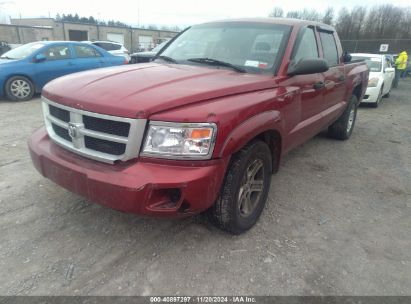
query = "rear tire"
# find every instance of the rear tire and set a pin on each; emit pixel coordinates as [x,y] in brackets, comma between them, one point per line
[344,126]
[245,189]
[19,88]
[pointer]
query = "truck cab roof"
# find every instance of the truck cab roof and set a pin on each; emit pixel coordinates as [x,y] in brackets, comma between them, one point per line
[283,21]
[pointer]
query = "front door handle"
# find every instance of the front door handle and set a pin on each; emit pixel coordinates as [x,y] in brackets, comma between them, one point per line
[319,85]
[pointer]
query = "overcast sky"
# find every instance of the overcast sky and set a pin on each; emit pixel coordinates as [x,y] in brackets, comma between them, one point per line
[169,12]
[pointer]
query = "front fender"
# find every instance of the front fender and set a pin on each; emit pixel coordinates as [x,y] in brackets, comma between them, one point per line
[249,129]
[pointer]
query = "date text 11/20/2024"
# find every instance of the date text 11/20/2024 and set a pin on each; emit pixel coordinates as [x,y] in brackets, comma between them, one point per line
[203,299]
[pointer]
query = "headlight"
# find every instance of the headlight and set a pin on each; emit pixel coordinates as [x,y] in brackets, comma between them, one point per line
[373,82]
[180,140]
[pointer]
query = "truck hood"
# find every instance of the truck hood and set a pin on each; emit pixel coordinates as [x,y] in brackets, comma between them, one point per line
[137,91]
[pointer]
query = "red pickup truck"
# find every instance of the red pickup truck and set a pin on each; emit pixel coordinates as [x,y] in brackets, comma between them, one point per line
[204,126]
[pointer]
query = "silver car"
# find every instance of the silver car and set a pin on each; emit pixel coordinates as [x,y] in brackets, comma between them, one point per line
[115,48]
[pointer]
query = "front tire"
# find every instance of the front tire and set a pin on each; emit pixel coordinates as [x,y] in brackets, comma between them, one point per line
[245,189]
[344,126]
[388,93]
[19,88]
[379,98]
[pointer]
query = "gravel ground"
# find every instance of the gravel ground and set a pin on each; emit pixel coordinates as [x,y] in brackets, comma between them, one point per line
[337,223]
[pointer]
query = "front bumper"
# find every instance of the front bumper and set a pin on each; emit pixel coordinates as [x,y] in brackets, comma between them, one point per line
[141,187]
[371,95]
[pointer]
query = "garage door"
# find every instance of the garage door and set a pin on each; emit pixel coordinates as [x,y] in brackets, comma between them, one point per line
[75,35]
[145,42]
[119,38]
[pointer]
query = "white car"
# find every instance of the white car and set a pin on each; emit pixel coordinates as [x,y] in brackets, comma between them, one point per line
[381,77]
[117,49]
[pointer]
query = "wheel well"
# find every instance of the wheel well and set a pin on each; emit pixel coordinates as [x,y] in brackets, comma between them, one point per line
[273,139]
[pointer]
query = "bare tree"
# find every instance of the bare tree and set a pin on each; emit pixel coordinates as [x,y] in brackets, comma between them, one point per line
[311,15]
[277,12]
[405,28]
[294,14]
[383,21]
[358,14]
[343,24]
[386,21]
[328,16]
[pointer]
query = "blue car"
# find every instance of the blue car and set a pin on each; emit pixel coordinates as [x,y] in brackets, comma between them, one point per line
[26,69]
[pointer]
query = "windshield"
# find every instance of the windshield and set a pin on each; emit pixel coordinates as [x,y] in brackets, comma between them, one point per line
[374,63]
[22,51]
[255,47]
[159,47]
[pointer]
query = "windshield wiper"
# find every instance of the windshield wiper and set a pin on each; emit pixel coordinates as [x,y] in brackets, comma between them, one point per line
[216,62]
[6,57]
[166,58]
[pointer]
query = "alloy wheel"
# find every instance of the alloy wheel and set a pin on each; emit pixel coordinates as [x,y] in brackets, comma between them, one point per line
[251,188]
[351,119]
[20,88]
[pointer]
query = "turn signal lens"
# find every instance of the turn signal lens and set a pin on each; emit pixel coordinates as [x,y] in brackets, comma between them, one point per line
[200,133]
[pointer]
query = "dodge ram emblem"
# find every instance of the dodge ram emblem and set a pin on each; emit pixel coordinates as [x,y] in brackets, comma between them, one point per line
[72,130]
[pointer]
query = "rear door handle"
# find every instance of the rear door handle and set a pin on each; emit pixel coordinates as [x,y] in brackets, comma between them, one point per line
[319,85]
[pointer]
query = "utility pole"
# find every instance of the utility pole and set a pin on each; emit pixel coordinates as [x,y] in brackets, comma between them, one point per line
[138,13]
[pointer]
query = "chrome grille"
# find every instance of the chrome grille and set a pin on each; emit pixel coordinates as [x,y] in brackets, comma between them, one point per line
[101,137]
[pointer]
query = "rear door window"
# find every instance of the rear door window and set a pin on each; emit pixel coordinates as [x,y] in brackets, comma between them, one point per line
[85,51]
[329,48]
[115,47]
[106,46]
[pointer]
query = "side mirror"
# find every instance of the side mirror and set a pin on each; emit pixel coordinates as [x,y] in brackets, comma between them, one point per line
[346,57]
[307,66]
[39,58]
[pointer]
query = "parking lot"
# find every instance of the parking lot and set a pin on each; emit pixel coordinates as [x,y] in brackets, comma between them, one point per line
[337,223]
